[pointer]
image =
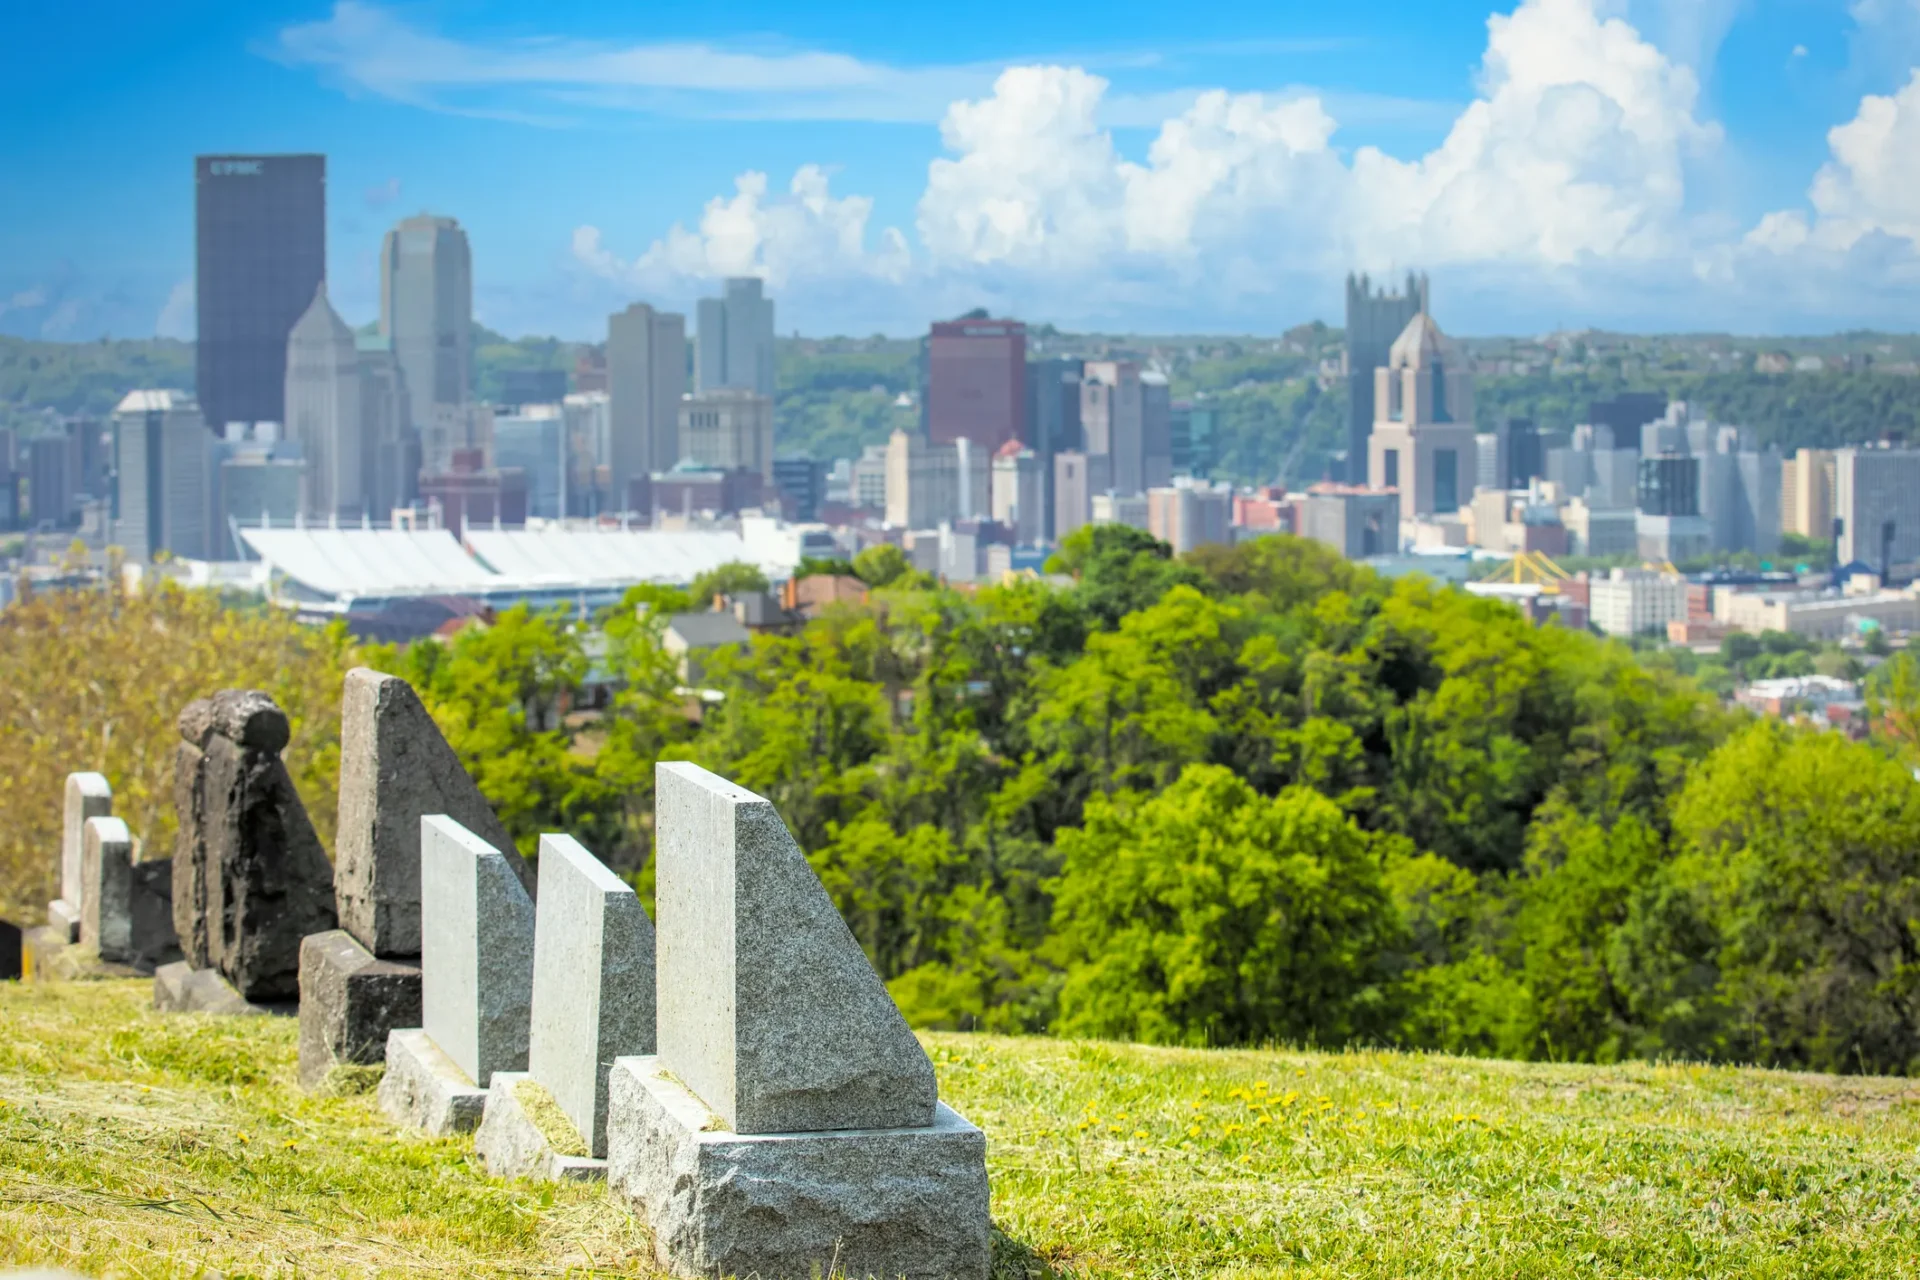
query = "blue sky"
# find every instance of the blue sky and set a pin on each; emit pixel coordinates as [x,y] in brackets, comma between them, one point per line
[1653,164]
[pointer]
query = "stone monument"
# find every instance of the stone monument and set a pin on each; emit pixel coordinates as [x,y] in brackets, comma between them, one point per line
[476,989]
[250,879]
[88,796]
[13,952]
[127,912]
[593,1000]
[362,981]
[789,1124]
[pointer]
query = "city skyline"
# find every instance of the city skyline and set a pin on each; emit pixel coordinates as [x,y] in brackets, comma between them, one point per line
[1621,163]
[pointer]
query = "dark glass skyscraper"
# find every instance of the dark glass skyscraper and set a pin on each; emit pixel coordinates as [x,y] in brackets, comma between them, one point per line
[260,255]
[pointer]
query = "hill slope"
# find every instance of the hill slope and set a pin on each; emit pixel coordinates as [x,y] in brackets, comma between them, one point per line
[135,1144]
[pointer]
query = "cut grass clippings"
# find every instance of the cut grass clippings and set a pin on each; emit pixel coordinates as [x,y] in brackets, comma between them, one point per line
[170,1146]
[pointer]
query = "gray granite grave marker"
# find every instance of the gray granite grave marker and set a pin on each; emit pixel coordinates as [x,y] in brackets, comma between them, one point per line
[106,914]
[87,796]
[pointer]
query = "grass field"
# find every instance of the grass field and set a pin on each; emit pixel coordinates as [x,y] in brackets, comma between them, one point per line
[136,1145]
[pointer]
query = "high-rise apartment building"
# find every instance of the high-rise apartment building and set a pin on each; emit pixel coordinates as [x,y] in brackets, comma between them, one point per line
[1355,521]
[52,463]
[730,430]
[733,345]
[1876,499]
[324,403]
[646,378]
[1422,442]
[1806,494]
[977,382]
[260,251]
[1112,424]
[1374,320]
[589,422]
[163,458]
[426,312]
[1072,492]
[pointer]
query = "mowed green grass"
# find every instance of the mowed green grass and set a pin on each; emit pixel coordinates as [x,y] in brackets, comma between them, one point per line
[139,1145]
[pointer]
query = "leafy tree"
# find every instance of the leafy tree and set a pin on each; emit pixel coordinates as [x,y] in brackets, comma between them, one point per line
[734,578]
[881,565]
[1209,914]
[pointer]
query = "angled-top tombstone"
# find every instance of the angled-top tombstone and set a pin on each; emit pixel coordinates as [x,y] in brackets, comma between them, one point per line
[87,796]
[476,951]
[768,1009]
[476,963]
[788,1125]
[593,1001]
[396,768]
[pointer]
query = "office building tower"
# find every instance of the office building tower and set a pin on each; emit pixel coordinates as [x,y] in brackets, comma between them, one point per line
[1019,493]
[977,382]
[533,386]
[1354,521]
[1626,416]
[468,493]
[1806,494]
[802,485]
[163,456]
[1112,423]
[260,251]
[1670,526]
[729,430]
[589,425]
[1876,503]
[9,483]
[389,444]
[1422,442]
[931,483]
[646,379]
[533,441]
[51,465]
[870,478]
[1129,509]
[1190,433]
[1053,420]
[1596,531]
[733,345]
[590,370]
[426,312]
[1487,471]
[259,481]
[1755,514]
[1526,456]
[1156,430]
[1374,321]
[1072,493]
[1190,513]
[323,402]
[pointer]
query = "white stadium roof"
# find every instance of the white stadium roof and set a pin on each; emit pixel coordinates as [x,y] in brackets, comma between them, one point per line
[388,563]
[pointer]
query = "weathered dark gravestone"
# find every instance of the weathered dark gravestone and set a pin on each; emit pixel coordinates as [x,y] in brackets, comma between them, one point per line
[395,769]
[12,952]
[789,1125]
[250,879]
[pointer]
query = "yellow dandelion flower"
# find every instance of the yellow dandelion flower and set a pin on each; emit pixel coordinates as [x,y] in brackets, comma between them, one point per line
[290,1145]
[1292,1097]
[1193,1131]
[1359,1115]
[1300,1073]
[244,1137]
[1260,1084]
[1246,1159]
[1139,1133]
[1265,1119]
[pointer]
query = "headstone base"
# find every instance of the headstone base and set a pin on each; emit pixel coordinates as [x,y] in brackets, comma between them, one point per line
[514,1146]
[47,956]
[859,1202]
[181,988]
[64,918]
[350,1002]
[425,1089]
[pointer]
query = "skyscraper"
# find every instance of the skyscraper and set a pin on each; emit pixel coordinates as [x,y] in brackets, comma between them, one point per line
[426,311]
[977,382]
[163,459]
[1053,421]
[323,400]
[260,252]
[1374,320]
[1423,437]
[1876,500]
[389,444]
[734,344]
[1112,426]
[1156,430]
[646,376]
